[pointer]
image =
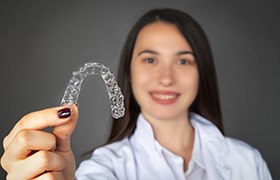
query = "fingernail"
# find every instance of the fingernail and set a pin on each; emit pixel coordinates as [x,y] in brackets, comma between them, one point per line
[64,113]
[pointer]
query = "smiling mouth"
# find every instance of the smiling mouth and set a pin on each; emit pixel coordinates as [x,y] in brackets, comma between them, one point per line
[164,97]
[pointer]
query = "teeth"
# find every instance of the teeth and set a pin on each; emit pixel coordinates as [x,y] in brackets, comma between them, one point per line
[164,96]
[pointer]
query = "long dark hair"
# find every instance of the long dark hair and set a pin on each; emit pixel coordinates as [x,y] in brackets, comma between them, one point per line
[207,101]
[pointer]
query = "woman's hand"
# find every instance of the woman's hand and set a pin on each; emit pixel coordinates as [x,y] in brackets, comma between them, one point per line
[31,153]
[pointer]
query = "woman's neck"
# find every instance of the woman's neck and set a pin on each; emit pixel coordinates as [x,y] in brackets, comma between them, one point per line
[176,135]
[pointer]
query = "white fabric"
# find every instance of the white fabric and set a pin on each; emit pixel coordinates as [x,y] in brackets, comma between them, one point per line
[215,157]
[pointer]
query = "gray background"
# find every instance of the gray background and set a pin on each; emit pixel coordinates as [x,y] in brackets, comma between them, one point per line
[42,42]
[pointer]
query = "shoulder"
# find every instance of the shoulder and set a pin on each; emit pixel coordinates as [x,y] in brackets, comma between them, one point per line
[245,156]
[244,150]
[241,157]
[210,134]
[239,145]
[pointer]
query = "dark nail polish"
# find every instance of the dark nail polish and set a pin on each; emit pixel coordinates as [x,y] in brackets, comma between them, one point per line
[64,113]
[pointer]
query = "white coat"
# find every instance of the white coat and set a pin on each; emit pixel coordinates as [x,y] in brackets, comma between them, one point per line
[139,157]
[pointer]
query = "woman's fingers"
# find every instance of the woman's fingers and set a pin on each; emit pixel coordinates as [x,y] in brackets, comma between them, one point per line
[44,161]
[42,119]
[27,141]
[31,152]
[24,144]
[37,164]
[51,176]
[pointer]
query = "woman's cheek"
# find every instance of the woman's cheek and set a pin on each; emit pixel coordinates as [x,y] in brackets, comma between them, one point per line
[143,76]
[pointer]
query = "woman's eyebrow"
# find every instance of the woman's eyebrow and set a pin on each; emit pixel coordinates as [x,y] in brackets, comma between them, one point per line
[184,52]
[148,51]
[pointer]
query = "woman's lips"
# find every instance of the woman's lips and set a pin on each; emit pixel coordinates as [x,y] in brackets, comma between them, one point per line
[164,97]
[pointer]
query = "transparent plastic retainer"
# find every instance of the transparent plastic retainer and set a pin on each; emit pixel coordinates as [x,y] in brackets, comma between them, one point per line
[116,97]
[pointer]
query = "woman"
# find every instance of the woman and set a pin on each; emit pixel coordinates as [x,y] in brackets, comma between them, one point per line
[172,128]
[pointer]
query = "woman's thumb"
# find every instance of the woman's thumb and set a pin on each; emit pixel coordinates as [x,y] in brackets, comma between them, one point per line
[63,132]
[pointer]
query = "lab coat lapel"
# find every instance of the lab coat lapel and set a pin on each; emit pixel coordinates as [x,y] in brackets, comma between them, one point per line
[214,148]
[216,166]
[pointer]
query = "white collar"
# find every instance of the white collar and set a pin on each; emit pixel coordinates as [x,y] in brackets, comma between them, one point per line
[205,132]
[210,147]
[209,133]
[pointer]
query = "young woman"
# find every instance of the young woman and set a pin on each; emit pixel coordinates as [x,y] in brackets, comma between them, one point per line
[172,128]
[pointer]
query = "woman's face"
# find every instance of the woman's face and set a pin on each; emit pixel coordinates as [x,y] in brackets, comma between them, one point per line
[164,74]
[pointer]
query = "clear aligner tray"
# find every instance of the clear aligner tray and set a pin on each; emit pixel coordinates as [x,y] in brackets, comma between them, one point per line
[116,97]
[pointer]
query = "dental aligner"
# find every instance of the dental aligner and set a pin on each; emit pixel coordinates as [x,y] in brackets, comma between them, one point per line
[116,97]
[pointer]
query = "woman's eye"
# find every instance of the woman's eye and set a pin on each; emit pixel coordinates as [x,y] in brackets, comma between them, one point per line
[183,61]
[149,60]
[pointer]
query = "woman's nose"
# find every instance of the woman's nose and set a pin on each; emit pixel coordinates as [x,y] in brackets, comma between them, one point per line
[166,76]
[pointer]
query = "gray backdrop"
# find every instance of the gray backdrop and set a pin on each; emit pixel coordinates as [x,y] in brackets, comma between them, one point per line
[42,42]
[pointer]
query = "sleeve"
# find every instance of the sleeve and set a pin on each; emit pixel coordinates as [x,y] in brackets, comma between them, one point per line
[99,166]
[262,168]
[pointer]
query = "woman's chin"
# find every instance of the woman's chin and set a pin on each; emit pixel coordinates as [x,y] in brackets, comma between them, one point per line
[165,115]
